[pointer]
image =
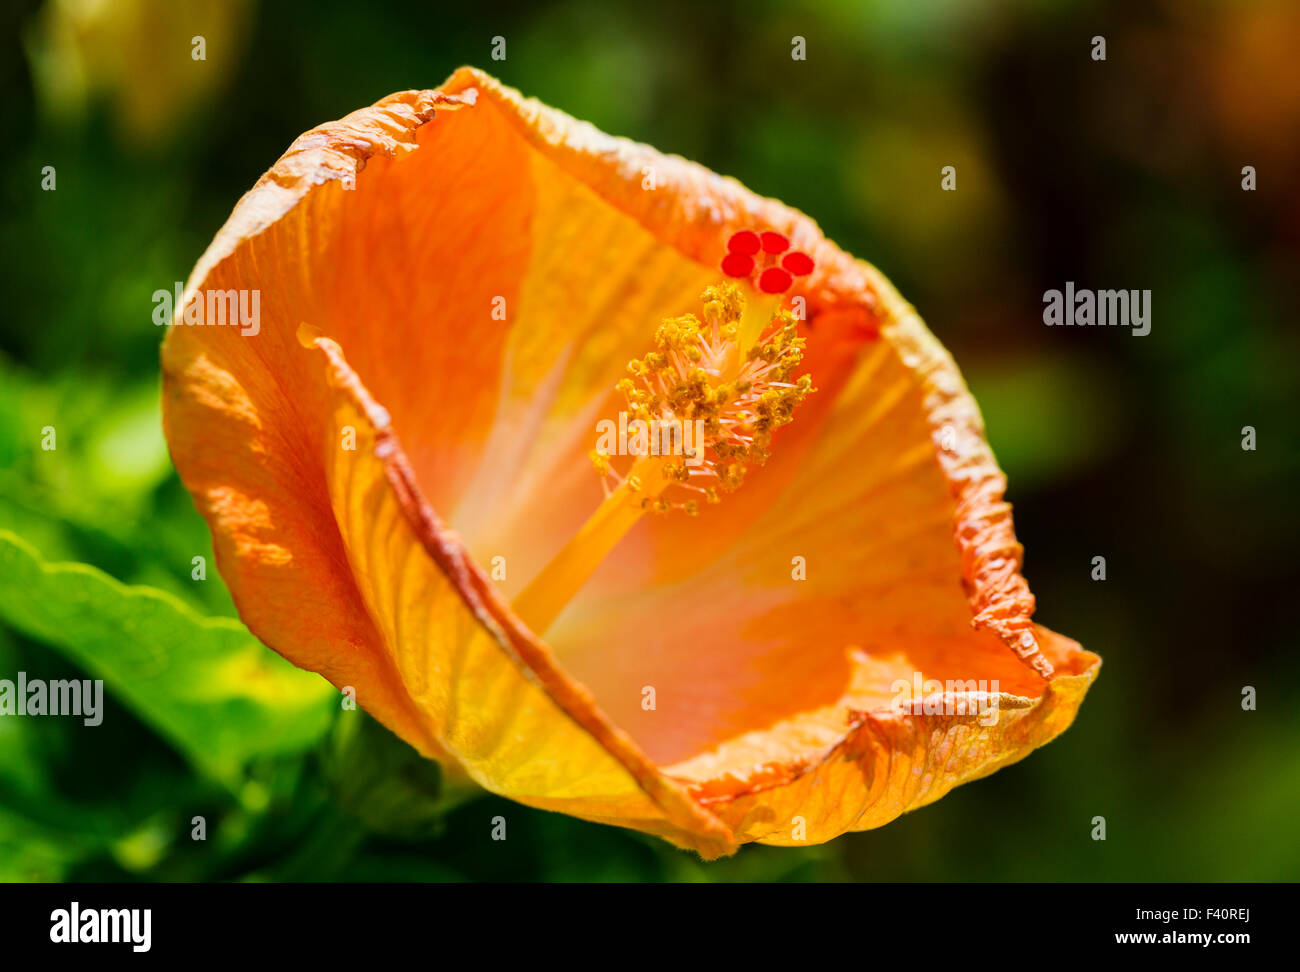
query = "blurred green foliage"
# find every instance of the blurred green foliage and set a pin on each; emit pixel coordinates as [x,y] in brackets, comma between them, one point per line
[1117,174]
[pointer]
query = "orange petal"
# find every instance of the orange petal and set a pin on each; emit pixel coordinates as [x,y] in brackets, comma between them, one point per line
[912,571]
[886,765]
[333,557]
[394,234]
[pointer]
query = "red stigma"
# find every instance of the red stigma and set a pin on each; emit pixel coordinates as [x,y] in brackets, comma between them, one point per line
[799,264]
[750,252]
[745,242]
[774,280]
[738,264]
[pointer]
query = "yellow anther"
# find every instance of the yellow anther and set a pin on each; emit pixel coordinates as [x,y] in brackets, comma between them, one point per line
[735,395]
[724,384]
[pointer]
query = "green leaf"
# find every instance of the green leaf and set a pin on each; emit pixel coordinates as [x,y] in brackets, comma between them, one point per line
[205,684]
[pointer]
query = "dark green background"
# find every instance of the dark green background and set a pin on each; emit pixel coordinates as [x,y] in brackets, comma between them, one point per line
[1117,174]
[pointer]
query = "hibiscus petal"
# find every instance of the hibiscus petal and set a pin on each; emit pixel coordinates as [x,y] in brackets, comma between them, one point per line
[313,531]
[514,721]
[886,765]
[895,507]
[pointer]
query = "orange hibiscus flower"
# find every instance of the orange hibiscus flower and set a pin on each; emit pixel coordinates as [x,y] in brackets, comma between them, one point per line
[466,298]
